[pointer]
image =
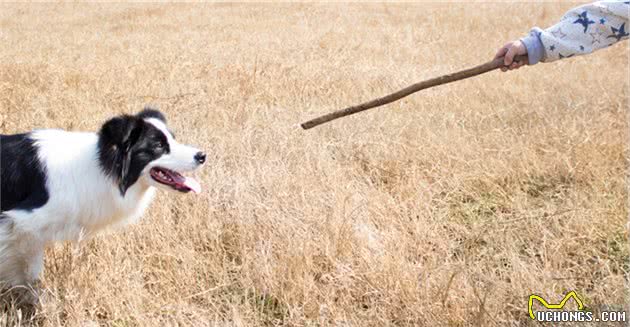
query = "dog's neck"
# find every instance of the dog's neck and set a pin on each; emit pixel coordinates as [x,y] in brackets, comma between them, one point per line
[75,176]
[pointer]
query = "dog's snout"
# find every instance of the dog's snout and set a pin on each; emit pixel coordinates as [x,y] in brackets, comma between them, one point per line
[200,157]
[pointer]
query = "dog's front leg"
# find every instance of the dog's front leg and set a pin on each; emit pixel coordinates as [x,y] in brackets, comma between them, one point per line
[34,265]
[30,268]
[21,262]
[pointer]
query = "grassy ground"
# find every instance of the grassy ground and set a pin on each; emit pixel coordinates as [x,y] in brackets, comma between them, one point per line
[447,208]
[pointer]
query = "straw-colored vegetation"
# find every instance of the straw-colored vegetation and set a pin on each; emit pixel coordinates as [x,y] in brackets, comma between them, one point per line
[447,208]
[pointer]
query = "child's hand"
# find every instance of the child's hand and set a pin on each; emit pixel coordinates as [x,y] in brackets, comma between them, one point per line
[509,51]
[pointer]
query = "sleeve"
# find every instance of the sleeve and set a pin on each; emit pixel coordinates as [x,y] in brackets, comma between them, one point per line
[582,30]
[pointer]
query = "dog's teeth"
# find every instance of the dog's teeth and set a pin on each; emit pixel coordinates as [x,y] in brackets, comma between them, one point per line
[162,175]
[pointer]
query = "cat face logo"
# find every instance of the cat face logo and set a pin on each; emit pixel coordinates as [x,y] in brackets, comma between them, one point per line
[560,305]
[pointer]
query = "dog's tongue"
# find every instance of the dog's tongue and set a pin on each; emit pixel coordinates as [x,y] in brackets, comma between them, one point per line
[192,184]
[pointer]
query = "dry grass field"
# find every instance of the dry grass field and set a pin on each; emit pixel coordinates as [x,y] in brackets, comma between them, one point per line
[448,208]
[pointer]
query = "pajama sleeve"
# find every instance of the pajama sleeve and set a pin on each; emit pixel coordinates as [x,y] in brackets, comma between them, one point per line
[582,30]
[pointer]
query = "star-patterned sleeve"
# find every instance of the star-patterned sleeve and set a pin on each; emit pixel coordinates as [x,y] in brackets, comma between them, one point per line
[582,30]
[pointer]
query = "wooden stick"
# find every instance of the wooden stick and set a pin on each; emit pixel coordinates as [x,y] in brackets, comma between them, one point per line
[444,79]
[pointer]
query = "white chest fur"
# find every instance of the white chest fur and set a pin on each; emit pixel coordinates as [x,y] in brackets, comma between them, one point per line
[82,199]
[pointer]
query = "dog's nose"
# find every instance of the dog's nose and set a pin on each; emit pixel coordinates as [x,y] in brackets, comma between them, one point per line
[200,157]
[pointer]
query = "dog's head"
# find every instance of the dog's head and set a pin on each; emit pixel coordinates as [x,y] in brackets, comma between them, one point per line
[141,149]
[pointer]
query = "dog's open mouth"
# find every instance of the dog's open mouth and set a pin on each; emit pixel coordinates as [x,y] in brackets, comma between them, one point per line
[175,180]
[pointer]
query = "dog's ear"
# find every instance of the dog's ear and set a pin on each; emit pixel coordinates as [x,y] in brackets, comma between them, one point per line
[150,112]
[133,135]
[118,137]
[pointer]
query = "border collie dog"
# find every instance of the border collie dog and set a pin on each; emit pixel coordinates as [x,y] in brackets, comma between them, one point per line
[66,186]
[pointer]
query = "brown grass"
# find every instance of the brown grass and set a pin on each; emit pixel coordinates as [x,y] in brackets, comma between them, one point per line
[448,208]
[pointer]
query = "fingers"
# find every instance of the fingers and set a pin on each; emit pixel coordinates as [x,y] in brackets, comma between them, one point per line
[501,52]
[509,56]
[517,65]
[508,52]
[513,65]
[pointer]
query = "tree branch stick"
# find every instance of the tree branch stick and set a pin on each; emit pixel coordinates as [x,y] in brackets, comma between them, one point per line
[444,79]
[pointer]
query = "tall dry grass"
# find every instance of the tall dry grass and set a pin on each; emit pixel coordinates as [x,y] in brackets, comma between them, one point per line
[447,208]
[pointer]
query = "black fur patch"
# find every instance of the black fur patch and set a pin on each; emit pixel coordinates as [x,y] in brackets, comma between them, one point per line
[23,181]
[127,144]
[149,112]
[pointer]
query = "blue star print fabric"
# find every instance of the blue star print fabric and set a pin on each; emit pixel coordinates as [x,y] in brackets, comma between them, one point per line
[582,30]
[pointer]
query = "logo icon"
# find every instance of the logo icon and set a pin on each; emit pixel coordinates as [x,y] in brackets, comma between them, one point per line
[560,305]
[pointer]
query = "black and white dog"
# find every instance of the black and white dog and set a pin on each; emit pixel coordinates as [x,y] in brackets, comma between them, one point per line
[59,185]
